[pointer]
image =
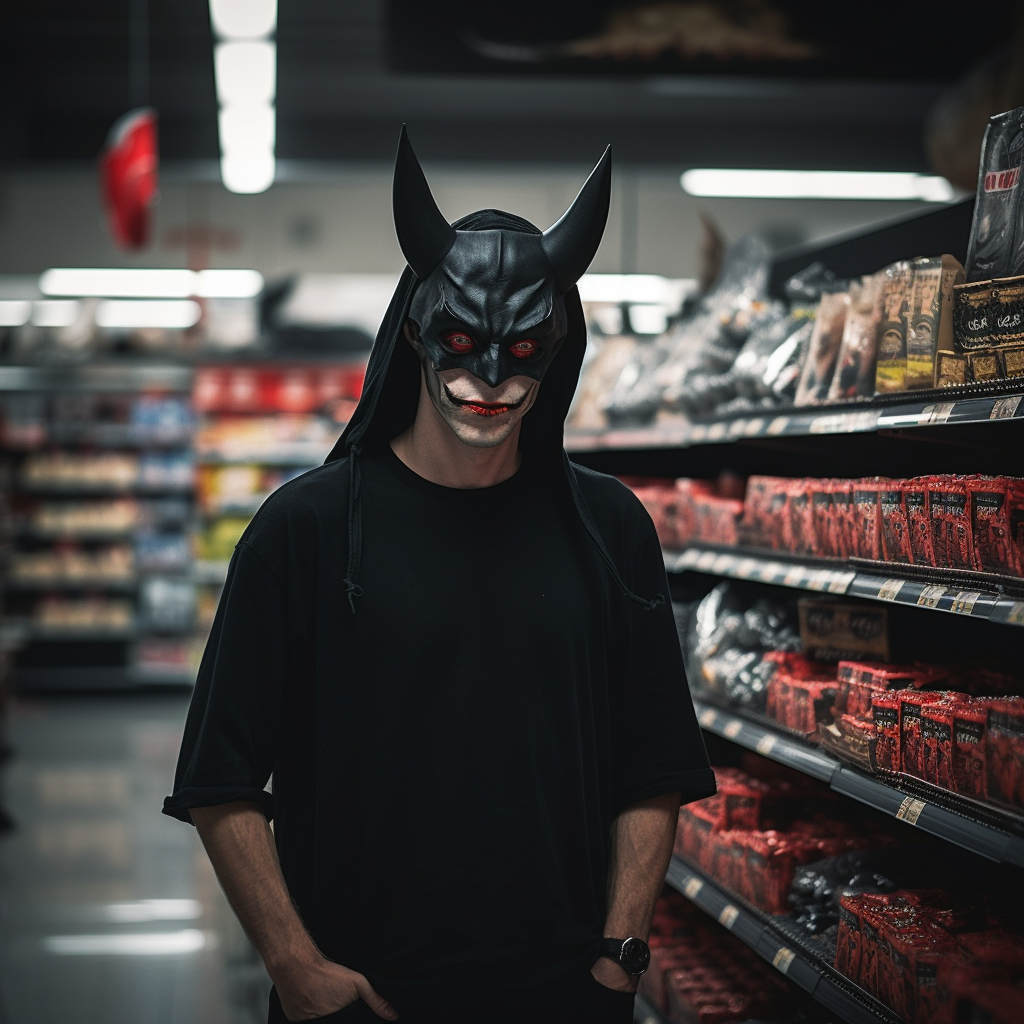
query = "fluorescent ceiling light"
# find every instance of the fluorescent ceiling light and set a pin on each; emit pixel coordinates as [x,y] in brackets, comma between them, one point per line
[247,128]
[248,173]
[124,314]
[245,72]
[14,312]
[188,940]
[132,283]
[228,284]
[633,288]
[243,19]
[138,911]
[129,283]
[775,184]
[55,312]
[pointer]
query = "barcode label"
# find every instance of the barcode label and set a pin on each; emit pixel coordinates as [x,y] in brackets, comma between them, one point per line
[783,959]
[910,810]
[707,718]
[693,887]
[732,730]
[728,916]
[889,589]
[766,744]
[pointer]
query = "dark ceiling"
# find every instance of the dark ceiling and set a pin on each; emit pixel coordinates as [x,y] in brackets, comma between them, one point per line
[350,72]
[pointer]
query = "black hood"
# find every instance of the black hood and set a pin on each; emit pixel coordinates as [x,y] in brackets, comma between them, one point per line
[391,386]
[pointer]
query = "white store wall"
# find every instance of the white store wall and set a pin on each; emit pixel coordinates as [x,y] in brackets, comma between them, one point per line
[341,219]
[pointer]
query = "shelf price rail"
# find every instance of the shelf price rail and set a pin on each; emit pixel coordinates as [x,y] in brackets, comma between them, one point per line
[756,930]
[976,836]
[894,589]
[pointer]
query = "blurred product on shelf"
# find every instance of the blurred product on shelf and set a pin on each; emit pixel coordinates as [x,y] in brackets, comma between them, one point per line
[67,562]
[90,613]
[110,470]
[216,542]
[958,727]
[944,521]
[699,972]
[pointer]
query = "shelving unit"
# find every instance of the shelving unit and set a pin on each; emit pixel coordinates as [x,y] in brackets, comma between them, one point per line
[972,429]
[100,464]
[783,947]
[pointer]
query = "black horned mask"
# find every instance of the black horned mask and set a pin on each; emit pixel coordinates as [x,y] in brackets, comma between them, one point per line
[491,302]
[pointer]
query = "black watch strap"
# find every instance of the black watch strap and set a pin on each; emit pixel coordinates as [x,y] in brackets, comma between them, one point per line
[632,954]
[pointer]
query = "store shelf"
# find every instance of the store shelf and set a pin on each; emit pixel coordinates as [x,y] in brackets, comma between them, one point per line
[121,378]
[299,455]
[929,809]
[126,584]
[767,937]
[962,406]
[960,596]
[102,490]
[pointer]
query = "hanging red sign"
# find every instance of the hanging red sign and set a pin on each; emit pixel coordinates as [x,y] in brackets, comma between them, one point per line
[128,177]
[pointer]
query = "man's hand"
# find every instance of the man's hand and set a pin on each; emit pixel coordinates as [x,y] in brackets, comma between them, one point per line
[612,975]
[326,988]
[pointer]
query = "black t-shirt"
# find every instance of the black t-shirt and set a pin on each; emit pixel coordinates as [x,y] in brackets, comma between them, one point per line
[447,761]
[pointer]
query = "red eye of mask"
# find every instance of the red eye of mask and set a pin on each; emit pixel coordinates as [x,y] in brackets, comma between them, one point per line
[459,342]
[524,349]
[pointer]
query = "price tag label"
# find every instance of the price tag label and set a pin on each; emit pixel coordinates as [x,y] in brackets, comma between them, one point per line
[746,568]
[835,424]
[706,560]
[965,601]
[723,564]
[1005,408]
[783,959]
[936,413]
[732,729]
[910,810]
[737,428]
[707,718]
[778,426]
[795,578]
[693,887]
[1016,613]
[754,426]
[688,558]
[889,589]
[766,744]
[931,596]
[728,916]
[717,431]
[840,582]
[698,432]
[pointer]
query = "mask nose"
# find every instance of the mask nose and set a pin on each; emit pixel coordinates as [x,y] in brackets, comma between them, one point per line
[489,366]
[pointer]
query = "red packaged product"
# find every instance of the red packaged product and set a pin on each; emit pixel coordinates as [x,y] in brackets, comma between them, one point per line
[994,947]
[919,520]
[754,528]
[843,511]
[823,521]
[894,524]
[994,550]
[779,534]
[885,711]
[988,1000]
[867,517]
[870,924]
[1004,752]
[937,736]
[654,981]
[952,541]
[811,702]
[848,937]
[770,865]
[800,529]
[967,772]
[742,799]
[911,737]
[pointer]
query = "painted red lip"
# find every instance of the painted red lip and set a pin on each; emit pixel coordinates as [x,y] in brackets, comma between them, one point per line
[482,408]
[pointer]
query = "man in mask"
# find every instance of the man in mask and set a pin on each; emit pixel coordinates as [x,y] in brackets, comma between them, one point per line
[452,650]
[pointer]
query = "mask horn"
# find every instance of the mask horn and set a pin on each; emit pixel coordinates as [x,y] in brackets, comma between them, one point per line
[423,234]
[571,242]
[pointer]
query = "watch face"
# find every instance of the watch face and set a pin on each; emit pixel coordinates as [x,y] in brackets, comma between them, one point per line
[636,955]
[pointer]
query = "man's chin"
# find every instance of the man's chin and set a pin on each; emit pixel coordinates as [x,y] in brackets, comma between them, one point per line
[484,436]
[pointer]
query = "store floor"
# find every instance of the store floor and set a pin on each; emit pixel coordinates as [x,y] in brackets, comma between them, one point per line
[109,910]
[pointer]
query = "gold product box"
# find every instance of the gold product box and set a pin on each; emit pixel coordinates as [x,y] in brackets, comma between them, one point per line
[988,328]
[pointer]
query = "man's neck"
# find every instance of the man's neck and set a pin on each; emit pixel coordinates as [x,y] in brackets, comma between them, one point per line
[431,450]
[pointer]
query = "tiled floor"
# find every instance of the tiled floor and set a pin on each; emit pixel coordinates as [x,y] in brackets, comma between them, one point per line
[109,910]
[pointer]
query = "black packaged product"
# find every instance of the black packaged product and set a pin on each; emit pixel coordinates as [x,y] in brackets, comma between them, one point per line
[996,245]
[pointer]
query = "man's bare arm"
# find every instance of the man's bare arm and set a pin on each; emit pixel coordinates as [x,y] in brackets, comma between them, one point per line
[642,839]
[241,847]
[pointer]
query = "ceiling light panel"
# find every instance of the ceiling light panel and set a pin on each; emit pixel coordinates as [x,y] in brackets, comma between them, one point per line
[243,19]
[130,314]
[247,128]
[784,184]
[245,72]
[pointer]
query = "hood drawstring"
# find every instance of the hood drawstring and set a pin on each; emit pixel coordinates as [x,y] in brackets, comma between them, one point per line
[355,529]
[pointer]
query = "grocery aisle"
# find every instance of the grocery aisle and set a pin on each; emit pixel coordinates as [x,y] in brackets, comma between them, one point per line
[109,911]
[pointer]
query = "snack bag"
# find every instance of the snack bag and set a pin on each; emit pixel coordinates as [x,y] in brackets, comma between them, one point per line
[891,367]
[930,316]
[919,520]
[894,523]
[992,528]
[967,774]
[995,247]
[868,520]
[952,541]
[854,375]
[823,351]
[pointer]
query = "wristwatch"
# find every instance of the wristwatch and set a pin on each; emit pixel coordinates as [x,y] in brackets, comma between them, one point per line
[632,954]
